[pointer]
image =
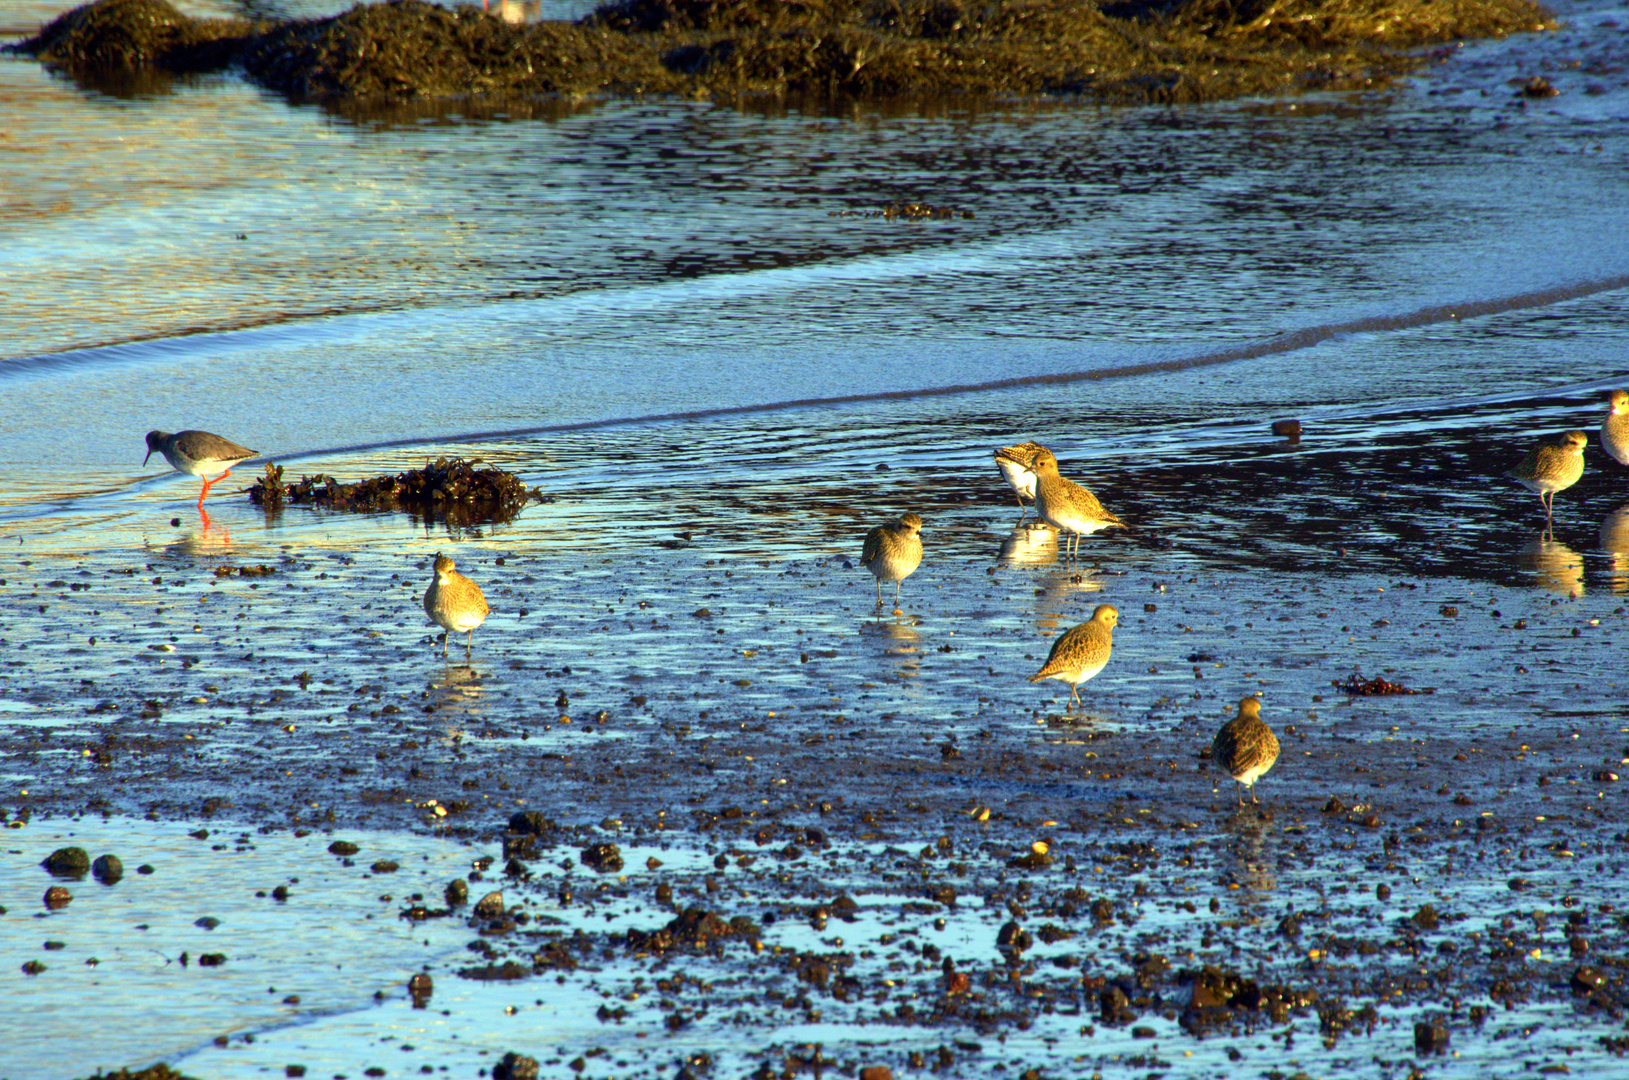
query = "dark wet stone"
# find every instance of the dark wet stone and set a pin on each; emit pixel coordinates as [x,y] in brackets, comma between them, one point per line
[343,847]
[1382,891]
[693,928]
[57,897]
[1538,87]
[1012,938]
[384,866]
[211,959]
[208,922]
[603,858]
[1334,805]
[515,1066]
[68,862]
[1426,917]
[33,967]
[1287,429]
[457,892]
[107,869]
[876,1072]
[280,893]
[1587,980]
[1142,1033]
[1113,1004]
[490,906]
[420,986]
[1430,1037]
[1290,925]
[532,823]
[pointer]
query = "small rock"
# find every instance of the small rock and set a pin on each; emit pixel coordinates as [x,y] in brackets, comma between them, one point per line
[343,847]
[876,1072]
[107,869]
[515,1066]
[57,897]
[457,892]
[490,906]
[69,862]
[1426,917]
[1287,429]
[1430,1037]
[604,858]
[1587,980]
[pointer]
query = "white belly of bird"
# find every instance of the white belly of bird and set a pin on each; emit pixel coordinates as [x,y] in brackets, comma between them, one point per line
[1021,479]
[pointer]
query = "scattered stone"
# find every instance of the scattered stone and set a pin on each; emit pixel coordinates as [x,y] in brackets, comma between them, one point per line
[515,1066]
[1287,429]
[107,869]
[457,892]
[68,862]
[1430,1037]
[489,906]
[603,858]
[343,847]
[58,897]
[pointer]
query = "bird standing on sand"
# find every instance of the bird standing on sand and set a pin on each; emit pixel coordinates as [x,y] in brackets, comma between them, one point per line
[197,453]
[1615,429]
[1066,505]
[1555,464]
[454,603]
[1245,747]
[892,552]
[1018,466]
[1081,652]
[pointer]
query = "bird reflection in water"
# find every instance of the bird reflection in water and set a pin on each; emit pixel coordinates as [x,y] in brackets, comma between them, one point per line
[1031,544]
[899,638]
[1554,565]
[1249,861]
[458,695]
[1615,543]
[208,540]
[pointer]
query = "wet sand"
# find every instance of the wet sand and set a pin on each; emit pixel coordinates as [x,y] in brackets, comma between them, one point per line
[704,682]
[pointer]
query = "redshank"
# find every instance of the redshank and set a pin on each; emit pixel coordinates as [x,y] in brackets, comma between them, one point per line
[197,453]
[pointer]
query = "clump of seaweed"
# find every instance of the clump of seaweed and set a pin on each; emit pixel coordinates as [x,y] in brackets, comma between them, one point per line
[454,490]
[908,211]
[1125,50]
[1358,686]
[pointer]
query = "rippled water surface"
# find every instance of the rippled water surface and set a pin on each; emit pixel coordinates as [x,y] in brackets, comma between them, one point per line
[693,327]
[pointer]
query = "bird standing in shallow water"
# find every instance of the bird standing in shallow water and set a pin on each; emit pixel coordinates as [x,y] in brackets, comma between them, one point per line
[892,552]
[1245,747]
[197,453]
[1018,466]
[1555,464]
[1081,652]
[1615,428]
[1066,505]
[454,603]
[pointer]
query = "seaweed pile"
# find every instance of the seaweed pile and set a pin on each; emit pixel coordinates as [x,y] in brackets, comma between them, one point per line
[448,489]
[1131,51]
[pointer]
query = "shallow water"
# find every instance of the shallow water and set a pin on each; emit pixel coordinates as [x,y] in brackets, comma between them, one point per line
[655,311]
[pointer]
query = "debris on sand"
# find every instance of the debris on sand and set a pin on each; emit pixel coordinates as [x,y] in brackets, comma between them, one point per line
[450,489]
[1358,686]
[1130,51]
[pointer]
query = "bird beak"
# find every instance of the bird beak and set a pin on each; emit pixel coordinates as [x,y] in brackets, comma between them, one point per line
[149,454]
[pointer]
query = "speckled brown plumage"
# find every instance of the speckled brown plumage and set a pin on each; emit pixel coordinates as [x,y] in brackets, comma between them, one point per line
[1081,651]
[1245,747]
[1067,506]
[454,603]
[892,552]
[1555,464]
[1018,466]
